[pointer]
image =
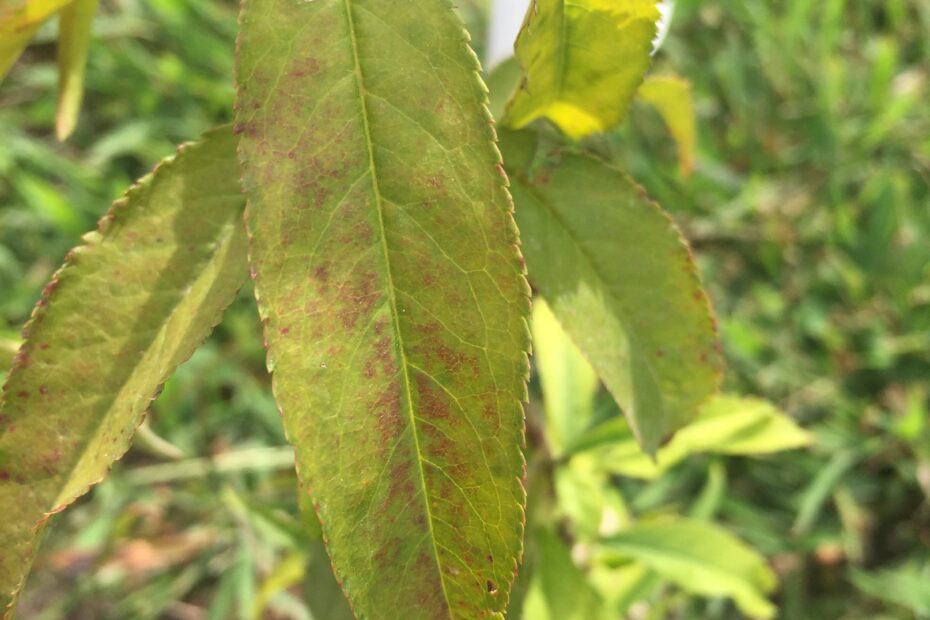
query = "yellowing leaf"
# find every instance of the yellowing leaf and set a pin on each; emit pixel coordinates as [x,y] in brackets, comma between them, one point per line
[583,60]
[726,424]
[672,99]
[128,307]
[701,558]
[73,43]
[735,425]
[620,279]
[569,384]
[19,21]
[390,283]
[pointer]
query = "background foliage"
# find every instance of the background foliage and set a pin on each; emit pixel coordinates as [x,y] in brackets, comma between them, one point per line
[808,210]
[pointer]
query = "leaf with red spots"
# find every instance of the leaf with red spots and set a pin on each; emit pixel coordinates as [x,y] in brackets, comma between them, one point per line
[128,306]
[621,280]
[390,284]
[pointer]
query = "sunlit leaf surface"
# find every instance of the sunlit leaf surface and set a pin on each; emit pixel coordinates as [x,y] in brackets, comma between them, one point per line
[622,282]
[128,306]
[701,558]
[392,292]
[19,21]
[583,61]
[672,99]
[73,42]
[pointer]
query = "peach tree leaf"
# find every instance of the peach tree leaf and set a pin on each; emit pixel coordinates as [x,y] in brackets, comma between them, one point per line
[129,305]
[672,99]
[568,382]
[583,61]
[19,21]
[701,558]
[726,424]
[389,280]
[621,280]
[73,43]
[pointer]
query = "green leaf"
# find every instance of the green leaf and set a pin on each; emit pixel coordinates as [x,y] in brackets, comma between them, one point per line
[502,82]
[583,62]
[390,284]
[701,558]
[672,99]
[73,43]
[19,21]
[623,586]
[569,384]
[128,306]
[622,282]
[560,591]
[905,586]
[726,424]
[324,597]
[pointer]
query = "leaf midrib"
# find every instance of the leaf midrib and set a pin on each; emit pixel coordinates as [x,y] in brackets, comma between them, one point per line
[392,299]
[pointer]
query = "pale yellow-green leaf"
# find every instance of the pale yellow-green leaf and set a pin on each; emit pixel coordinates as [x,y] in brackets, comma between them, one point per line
[560,590]
[726,424]
[622,586]
[129,305]
[19,21]
[701,558]
[569,384]
[672,98]
[74,35]
[583,61]
[289,572]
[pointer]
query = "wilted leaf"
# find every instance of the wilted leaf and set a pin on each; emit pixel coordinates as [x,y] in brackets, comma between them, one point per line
[622,282]
[128,306]
[389,281]
[19,21]
[583,62]
[726,424]
[569,384]
[672,99]
[701,558]
[73,43]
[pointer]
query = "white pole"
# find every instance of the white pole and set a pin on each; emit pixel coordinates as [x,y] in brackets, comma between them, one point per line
[506,19]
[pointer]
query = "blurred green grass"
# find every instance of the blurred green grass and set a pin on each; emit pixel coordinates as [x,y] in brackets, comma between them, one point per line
[809,213]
